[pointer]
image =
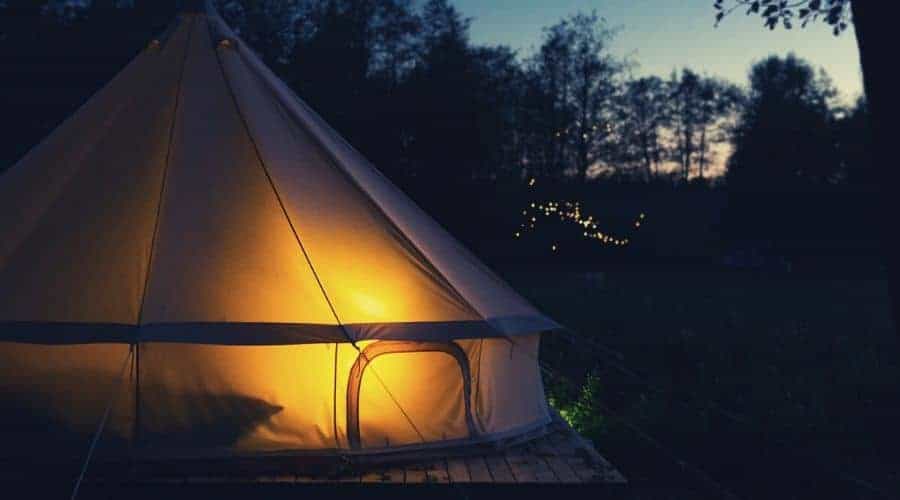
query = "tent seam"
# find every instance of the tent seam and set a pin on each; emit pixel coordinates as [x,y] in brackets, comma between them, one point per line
[162,188]
[425,265]
[287,217]
[335,163]
[265,170]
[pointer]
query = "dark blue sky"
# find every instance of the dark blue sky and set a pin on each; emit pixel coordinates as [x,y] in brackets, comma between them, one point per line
[662,35]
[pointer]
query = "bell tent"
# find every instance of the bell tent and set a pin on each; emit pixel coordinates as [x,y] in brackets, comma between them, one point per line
[198,251]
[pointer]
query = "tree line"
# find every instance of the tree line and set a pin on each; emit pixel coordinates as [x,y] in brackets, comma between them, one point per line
[405,84]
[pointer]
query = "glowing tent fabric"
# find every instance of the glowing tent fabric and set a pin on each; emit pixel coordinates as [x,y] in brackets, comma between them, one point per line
[195,191]
[197,212]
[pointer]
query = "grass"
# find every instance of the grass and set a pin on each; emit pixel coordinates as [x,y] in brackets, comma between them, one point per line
[734,372]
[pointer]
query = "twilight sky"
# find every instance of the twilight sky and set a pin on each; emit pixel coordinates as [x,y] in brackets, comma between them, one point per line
[662,35]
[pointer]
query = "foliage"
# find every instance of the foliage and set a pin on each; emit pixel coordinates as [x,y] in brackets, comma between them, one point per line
[585,414]
[836,13]
[700,108]
[784,137]
[579,80]
[854,145]
[404,83]
[642,116]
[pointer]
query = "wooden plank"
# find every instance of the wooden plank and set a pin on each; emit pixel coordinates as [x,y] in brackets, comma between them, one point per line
[437,472]
[499,469]
[563,444]
[521,467]
[478,470]
[395,475]
[542,471]
[543,447]
[562,470]
[585,473]
[375,476]
[457,470]
[415,474]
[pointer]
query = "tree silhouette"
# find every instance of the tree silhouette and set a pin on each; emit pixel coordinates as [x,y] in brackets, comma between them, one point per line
[853,134]
[698,106]
[784,140]
[875,27]
[643,115]
[578,80]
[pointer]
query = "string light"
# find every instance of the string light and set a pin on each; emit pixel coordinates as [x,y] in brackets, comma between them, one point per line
[569,211]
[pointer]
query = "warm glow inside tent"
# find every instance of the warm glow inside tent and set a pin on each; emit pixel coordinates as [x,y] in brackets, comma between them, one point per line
[196,245]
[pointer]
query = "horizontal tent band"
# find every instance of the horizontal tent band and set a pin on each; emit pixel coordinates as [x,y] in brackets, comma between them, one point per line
[261,333]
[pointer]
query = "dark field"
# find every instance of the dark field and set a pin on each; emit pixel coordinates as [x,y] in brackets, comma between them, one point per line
[758,384]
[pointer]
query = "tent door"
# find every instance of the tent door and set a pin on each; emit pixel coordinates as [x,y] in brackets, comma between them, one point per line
[409,393]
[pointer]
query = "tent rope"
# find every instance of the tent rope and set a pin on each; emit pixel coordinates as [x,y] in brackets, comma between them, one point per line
[99,432]
[396,402]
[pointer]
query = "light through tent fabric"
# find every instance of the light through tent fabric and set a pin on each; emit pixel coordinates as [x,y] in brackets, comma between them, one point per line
[504,309]
[281,295]
[200,400]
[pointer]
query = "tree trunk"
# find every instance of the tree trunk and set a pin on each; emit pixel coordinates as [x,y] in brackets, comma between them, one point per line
[702,162]
[648,159]
[876,37]
[688,151]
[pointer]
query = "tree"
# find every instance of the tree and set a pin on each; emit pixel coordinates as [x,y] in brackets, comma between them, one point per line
[853,135]
[595,78]
[266,25]
[643,114]
[498,97]
[397,41]
[42,40]
[700,108]
[784,136]
[685,97]
[786,13]
[718,102]
[875,27]
[442,95]
[579,79]
[549,93]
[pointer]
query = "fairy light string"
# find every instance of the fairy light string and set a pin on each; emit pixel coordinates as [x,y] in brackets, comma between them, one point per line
[571,212]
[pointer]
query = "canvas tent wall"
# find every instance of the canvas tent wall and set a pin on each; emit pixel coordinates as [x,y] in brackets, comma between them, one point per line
[264,287]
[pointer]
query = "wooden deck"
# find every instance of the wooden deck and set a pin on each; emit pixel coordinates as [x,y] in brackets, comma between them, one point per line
[559,456]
